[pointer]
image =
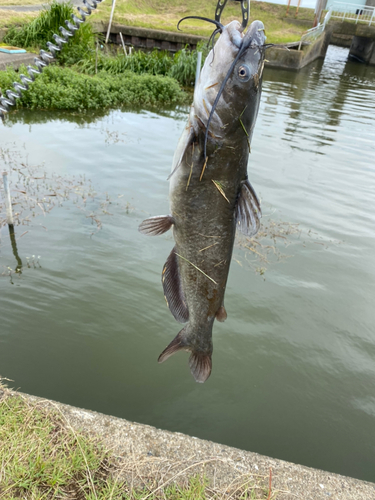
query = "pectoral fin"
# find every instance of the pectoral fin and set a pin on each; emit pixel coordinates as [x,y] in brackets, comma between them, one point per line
[172,286]
[248,212]
[156,225]
[184,143]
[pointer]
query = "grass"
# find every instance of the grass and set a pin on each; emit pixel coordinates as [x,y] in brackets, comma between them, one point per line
[164,14]
[64,88]
[21,2]
[14,18]
[42,457]
[40,30]
[181,66]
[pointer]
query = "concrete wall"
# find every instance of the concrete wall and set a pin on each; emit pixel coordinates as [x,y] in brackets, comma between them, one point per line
[145,38]
[343,33]
[15,60]
[296,59]
[363,49]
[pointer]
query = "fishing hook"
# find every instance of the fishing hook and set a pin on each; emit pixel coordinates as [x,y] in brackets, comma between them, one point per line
[46,57]
[245,8]
[218,24]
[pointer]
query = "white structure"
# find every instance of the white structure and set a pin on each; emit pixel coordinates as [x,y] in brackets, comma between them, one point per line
[342,6]
[355,10]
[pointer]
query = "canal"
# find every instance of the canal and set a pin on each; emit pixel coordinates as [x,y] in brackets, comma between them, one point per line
[294,364]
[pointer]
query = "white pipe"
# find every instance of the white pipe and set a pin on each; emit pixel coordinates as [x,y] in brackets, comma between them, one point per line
[198,70]
[123,44]
[110,21]
[8,201]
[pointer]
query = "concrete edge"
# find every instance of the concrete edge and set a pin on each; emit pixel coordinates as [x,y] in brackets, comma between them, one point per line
[15,60]
[156,451]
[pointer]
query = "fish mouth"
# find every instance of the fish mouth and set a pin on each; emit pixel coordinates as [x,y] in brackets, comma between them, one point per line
[253,37]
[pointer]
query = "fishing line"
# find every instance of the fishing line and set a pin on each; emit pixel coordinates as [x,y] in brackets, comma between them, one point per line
[220,91]
[46,57]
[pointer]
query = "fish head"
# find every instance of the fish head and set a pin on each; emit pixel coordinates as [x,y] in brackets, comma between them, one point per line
[229,87]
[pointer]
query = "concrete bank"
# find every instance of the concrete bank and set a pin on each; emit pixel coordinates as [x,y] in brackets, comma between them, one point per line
[171,455]
[277,57]
[15,60]
[292,58]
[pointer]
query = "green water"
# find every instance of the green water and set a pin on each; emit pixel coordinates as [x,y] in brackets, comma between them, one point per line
[294,364]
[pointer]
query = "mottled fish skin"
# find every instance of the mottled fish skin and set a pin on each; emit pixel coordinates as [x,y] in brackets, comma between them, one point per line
[205,193]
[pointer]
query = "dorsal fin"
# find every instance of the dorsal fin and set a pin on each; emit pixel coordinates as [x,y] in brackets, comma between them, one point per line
[248,212]
[172,286]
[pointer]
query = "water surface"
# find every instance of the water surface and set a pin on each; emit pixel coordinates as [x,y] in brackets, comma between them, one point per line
[294,364]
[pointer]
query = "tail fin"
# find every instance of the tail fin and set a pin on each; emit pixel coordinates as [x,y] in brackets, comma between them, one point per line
[200,363]
[200,366]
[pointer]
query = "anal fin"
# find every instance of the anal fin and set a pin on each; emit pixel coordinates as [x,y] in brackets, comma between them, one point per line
[221,314]
[172,286]
[248,212]
[154,226]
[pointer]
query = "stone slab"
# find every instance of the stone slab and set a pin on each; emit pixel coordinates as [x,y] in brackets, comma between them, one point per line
[179,456]
[169,36]
[15,60]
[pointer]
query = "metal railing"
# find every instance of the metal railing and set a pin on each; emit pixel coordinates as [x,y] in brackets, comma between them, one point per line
[313,33]
[353,12]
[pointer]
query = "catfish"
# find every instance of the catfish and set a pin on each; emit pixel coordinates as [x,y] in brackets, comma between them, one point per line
[210,193]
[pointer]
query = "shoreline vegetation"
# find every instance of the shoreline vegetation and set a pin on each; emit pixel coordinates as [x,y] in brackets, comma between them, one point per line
[165,14]
[87,75]
[43,457]
[90,75]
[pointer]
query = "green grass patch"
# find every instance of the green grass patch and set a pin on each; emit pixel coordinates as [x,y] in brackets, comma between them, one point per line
[64,88]
[164,15]
[43,458]
[181,66]
[39,31]
[14,18]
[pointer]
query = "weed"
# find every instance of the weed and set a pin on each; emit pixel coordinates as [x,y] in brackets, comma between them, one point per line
[63,88]
[41,30]
[44,457]
[181,66]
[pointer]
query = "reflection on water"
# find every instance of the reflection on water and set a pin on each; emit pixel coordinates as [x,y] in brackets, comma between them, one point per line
[15,250]
[294,364]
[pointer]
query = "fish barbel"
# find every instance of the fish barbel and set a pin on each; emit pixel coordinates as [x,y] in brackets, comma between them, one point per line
[210,194]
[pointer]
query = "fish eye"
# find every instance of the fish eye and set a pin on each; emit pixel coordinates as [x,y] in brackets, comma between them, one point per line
[244,73]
